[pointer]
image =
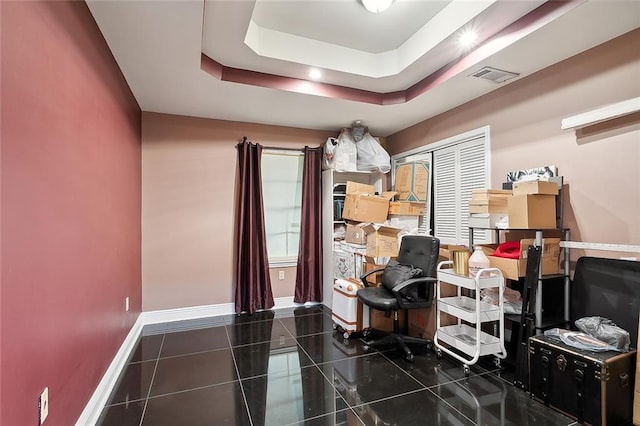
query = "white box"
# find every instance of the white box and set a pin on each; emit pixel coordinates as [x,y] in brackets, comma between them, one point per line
[348,265]
[485,220]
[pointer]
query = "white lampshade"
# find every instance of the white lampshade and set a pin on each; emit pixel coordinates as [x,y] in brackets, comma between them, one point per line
[375,6]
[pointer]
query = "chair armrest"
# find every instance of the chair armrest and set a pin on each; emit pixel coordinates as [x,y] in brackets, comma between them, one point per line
[363,277]
[399,292]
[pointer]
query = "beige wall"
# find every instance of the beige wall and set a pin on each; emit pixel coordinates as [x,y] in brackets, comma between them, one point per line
[189,166]
[601,166]
[188,177]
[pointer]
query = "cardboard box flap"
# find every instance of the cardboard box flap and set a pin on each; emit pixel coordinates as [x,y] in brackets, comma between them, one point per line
[388,230]
[388,195]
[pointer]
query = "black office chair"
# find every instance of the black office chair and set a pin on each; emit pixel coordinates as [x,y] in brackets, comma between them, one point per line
[407,283]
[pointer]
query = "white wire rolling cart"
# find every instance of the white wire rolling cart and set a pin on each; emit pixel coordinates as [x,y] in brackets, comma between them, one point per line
[466,337]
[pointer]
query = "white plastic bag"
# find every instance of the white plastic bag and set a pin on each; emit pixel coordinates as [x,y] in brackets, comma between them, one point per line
[580,340]
[340,154]
[605,330]
[371,156]
[512,300]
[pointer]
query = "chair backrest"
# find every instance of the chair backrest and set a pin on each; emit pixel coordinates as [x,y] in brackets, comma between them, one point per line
[418,251]
[421,251]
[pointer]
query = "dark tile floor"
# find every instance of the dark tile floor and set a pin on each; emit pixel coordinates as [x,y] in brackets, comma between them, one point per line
[288,367]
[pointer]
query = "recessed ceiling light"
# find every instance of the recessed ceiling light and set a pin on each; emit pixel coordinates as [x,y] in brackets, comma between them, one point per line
[467,38]
[315,74]
[376,6]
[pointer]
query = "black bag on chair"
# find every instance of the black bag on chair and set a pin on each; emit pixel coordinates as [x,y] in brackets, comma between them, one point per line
[395,273]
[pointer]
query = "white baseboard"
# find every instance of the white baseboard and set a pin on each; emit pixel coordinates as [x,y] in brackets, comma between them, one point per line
[93,409]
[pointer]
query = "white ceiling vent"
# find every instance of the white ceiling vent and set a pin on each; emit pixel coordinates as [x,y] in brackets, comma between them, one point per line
[495,75]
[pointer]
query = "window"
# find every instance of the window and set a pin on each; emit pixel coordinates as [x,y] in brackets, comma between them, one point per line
[282,198]
[460,164]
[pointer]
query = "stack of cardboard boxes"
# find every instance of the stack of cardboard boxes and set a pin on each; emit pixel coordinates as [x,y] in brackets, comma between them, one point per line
[370,240]
[487,207]
[529,205]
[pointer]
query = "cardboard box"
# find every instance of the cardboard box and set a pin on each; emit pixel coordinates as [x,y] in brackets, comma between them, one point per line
[347,265]
[411,181]
[489,206]
[514,268]
[407,208]
[360,205]
[485,220]
[365,208]
[371,264]
[535,187]
[382,241]
[488,194]
[422,322]
[355,233]
[360,188]
[532,211]
[346,247]
[378,321]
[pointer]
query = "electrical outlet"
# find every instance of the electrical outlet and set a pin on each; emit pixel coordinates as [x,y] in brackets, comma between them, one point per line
[281,275]
[126,304]
[43,406]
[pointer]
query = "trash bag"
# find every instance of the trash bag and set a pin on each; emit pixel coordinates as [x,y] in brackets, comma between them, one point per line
[340,154]
[371,156]
[605,330]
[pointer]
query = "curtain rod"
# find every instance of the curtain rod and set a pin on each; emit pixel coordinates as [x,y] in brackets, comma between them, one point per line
[274,148]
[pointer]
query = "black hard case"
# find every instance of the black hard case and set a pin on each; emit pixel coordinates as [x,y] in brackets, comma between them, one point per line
[594,388]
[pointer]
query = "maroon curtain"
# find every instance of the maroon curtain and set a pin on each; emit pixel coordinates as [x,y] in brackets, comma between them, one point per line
[309,270]
[253,285]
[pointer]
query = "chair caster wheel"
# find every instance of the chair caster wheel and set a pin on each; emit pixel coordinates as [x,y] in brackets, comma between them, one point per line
[467,371]
[366,333]
[346,335]
[366,348]
[496,362]
[410,358]
[335,326]
[439,354]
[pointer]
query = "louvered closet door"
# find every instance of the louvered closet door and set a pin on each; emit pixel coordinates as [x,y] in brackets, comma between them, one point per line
[458,170]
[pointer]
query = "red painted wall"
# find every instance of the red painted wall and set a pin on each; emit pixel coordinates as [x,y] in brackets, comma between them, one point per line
[70,169]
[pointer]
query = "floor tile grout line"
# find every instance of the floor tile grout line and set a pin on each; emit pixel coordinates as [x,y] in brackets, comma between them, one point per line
[454,408]
[235,364]
[192,389]
[387,398]
[193,353]
[403,370]
[153,376]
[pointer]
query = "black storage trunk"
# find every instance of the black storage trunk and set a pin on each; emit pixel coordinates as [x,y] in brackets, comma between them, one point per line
[595,388]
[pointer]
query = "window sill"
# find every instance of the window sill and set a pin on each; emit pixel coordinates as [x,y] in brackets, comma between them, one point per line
[283,263]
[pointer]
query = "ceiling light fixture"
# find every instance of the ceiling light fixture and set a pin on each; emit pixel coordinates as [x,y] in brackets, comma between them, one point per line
[315,74]
[467,38]
[376,6]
